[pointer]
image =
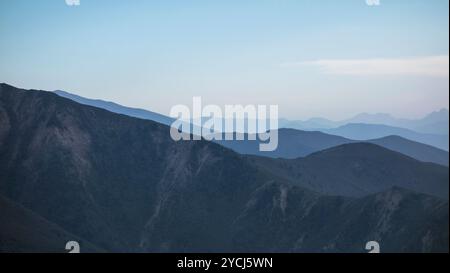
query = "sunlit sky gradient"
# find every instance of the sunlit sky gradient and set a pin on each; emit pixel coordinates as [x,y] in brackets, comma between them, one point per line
[324,58]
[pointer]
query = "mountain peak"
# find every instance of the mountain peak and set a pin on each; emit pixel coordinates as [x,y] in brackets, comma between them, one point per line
[441,114]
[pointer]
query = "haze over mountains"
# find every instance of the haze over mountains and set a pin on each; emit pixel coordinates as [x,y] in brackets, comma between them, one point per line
[116,108]
[296,143]
[431,130]
[121,184]
[361,131]
[436,123]
[433,123]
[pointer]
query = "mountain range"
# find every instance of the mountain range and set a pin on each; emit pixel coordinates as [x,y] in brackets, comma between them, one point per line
[357,170]
[121,184]
[434,123]
[361,131]
[295,143]
[117,108]
[298,143]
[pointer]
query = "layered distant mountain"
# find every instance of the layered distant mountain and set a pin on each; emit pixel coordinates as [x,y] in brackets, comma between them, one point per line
[434,123]
[312,124]
[360,131]
[337,224]
[359,169]
[291,144]
[122,184]
[117,108]
[413,149]
[296,143]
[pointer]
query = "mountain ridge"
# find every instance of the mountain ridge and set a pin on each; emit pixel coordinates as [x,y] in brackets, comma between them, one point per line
[289,146]
[124,185]
[362,131]
[433,123]
[358,176]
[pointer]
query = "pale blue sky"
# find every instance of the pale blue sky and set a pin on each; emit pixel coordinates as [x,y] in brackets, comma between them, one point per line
[314,58]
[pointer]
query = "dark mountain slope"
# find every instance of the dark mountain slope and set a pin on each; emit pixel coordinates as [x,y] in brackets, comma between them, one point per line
[284,219]
[419,151]
[291,144]
[359,169]
[105,176]
[24,231]
[124,185]
[117,108]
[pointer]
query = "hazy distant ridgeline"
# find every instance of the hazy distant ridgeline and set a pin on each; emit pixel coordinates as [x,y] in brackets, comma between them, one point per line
[359,131]
[116,108]
[123,184]
[434,123]
[296,143]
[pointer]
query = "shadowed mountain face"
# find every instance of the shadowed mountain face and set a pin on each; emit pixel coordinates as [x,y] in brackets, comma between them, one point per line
[288,219]
[24,231]
[109,177]
[123,185]
[357,170]
[413,149]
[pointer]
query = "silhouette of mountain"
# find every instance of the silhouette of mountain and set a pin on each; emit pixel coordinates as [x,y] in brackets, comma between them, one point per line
[359,131]
[124,185]
[117,108]
[434,123]
[413,149]
[293,143]
[311,124]
[359,169]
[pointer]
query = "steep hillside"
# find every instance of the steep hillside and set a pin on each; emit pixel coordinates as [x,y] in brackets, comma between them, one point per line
[359,169]
[285,219]
[21,230]
[362,131]
[419,151]
[122,184]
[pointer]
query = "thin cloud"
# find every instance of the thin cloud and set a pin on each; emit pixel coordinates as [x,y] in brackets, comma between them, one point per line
[373,2]
[433,66]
